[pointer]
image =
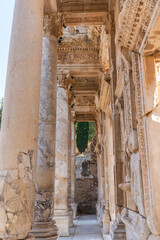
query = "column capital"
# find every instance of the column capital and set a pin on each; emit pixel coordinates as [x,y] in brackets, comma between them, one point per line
[52,25]
[63,80]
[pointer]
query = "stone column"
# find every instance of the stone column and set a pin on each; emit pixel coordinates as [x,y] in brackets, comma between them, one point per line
[100,155]
[106,217]
[19,132]
[70,211]
[73,169]
[61,166]
[115,114]
[44,226]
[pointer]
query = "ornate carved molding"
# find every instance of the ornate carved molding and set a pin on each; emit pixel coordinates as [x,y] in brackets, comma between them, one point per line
[134,20]
[148,199]
[85,100]
[82,6]
[87,19]
[68,54]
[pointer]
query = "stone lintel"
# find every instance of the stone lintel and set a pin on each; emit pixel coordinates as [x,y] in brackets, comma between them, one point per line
[85,117]
[85,19]
[82,6]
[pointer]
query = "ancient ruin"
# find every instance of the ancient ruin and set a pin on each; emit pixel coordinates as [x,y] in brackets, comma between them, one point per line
[75,61]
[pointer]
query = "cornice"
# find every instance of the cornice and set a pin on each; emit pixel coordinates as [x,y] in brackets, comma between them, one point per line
[134,19]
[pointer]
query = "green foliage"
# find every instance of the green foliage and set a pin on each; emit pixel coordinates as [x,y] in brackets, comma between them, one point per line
[92,131]
[85,131]
[1,108]
[82,136]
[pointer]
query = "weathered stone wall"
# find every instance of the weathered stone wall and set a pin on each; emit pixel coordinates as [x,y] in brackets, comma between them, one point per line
[86,182]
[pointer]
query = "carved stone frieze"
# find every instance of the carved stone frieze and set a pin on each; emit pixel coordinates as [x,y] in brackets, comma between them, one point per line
[88,19]
[133,21]
[71,55]
[85,100]
[148,199]
[80,45]
[82,6]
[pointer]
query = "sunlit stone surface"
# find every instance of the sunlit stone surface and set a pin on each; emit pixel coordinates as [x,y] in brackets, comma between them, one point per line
[100,63]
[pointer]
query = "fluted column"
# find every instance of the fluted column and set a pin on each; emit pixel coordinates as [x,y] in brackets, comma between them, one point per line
[73,169]
[61,165]
[19,131]
[44,225]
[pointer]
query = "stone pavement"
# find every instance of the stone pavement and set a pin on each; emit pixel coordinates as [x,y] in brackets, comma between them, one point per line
[86,228]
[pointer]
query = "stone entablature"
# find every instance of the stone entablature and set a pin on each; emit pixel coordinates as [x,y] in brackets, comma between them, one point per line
[82,6]
[134,20]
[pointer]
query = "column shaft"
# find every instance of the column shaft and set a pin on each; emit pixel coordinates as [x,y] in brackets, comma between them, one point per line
[70,211]
[19,132]
[44,203]
[61,166]
[73,169]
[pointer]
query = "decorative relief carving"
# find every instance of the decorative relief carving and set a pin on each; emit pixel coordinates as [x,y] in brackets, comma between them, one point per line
[150,6]
[85,100]
[129,22]
[79,45]
[141,138]
[89,20]
[77,54]
[134,20]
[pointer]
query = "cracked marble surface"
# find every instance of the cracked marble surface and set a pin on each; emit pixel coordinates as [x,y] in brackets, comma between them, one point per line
[17,189]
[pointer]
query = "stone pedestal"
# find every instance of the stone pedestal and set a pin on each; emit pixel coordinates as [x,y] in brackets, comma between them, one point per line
[117,231]
[44,226]
[19,130]
[61,165]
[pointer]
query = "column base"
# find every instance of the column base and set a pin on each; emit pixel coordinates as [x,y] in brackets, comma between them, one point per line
[117,231]
[45,230]
[74,208]
[63,224]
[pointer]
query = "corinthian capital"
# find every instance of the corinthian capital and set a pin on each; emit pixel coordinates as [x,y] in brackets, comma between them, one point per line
[52,25]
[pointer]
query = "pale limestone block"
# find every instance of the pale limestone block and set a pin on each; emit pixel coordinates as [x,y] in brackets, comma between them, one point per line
[133,141]
[136,182]
[135,225]
[149,84]
[152,121]
[151,237]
